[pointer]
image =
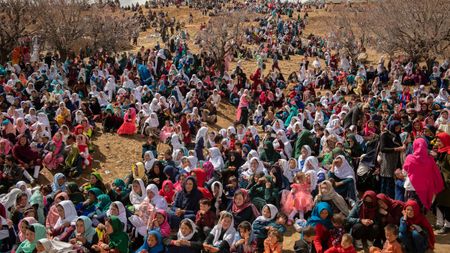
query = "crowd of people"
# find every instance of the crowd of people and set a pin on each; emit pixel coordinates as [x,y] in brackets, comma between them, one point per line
[350,156]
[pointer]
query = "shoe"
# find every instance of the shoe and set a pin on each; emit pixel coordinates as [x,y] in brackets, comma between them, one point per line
[437,227]
[443,231]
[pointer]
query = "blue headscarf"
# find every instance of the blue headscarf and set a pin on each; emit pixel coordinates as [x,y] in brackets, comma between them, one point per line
[157,248]
[315,216]
[55,186]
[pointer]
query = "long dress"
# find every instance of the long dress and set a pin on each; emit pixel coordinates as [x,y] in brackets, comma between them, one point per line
[128,126]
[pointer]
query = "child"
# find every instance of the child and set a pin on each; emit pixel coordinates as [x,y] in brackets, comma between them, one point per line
[391,245]
[152,244]
[261,225]
[231,187]
[167,191]
[279,223]
[273,242]
[399,185]
[338,229]
[245,241]
[346,246]
[299,199]
[222,235]
[305,244]
[205,217]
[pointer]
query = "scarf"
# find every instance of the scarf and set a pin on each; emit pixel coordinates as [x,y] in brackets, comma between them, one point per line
[333,196]
[315,216]
[369,210]
[89,231]
[424,173]
[27,246]
[235,209]
[55,186]
[445,139]
[229,233]
[421,220]
[189,236]
[136,198]
[70,213]
[273,212]
[122,213]
[155,249]
[118,239]
[168,195]
[30,221]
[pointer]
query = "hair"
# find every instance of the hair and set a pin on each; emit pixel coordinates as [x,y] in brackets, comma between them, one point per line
[281,215]
[300,177]
[274,232]
[392,228]
[232,179]
[338,218]
[225,214]
[205,201]
[245,225]
[347,238]
[309,231]
[187,223]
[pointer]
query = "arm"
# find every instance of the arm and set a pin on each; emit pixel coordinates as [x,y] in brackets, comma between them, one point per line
[384,144]
[353,216]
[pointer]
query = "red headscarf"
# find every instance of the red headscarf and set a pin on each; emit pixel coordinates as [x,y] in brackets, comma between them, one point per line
[369,211]
[445,139]
[235,209]
[168,195]
[423,172]
[421,220]
[391,204]
[2,211]
[200,175]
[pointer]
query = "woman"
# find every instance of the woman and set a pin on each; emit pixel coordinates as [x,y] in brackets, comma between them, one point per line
[321,221]
[343,176]
[242,207]
[34,234]
[423,175]
[415,231]
[25,156]
[115,238]
[389,157]
[186,240]
[329,195]
[269,154]
[55,150]
[443,199]
[186,203]
[118,209]
[389,209]
[128,126]
[365,219]
[63,228]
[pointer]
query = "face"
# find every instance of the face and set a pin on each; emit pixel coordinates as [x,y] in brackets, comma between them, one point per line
[409,212]
[338,162]
[92,179]
[239,200]
[226,222]
[390,236]
[109,228]
[29,235]
[292,164]
[80,226]
[266,212]
[185,229]
[381,204]
[136,187]
[345,244]
[61,180]
[160,218]
[22,201]
[40,247]
[152,241]
[324,214]
[114,210]
[304,152]
[254,164]
[150,194]
[204,207]
[189,185]
[23,225]
[324,189]
[60,210]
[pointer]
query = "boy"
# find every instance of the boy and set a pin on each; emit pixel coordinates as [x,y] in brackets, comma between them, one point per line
[273,242]
[205,217]
[399,185]
[391,245]
[338,229]
[305,244]
[345,247]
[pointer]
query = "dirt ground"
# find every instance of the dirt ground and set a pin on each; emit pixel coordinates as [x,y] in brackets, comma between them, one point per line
[115,154]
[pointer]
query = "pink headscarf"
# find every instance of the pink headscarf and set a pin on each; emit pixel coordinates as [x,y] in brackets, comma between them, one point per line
[22,128]
[209,169]
[53,216]
[30,221]
[165,227]
[6,147]
[423,172]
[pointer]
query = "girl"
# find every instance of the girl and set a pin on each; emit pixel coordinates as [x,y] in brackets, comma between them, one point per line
[63,228]
[415,231]
[84,235]
[35,232]
[152,244]
[54,156]
[118,209]
[290,168]
[129,123]
[305,153]
[53,216]
[344,176]
[138,193]
[115,238]
[23,224]
[269,212]
[329,195]
[321,221]
[167,191]
[220,201]
[242,208]
[299,199]
[245,240]
[160,224]
[222,235]
[186,240]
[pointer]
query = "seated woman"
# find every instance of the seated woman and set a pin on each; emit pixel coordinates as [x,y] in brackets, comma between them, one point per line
[365,218]
[222,235]
[35,232]
[114,239]
[25,156]
[329,195]
[415,231]
[63,228]
[186,203]
[389,209]
[54,152]
[343,176]
[186,240]
[242,208]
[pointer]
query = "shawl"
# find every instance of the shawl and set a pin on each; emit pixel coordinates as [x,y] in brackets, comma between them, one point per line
[149,163]
[159,247]
[136,198]
[301,161]
[273,212]
[138,170]
[235,209]
[201,134]
[315,216]
[216,158]
[189,236]
[423,172]
[157,201]
[345,170]
[118,239]
[445,140]
[27,246]
[218,197]
[188,200]
[229,233]
[89,231]
[122,213]
[164,228]
[52,246]
[171,173]
[6,146]
[70,213]
[332,195]
[38,199]
[390,203]
[269,154]
[421,220]
[30,221]
[368,211]
[53,216]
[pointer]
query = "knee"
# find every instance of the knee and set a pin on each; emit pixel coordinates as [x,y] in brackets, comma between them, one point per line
[416,236]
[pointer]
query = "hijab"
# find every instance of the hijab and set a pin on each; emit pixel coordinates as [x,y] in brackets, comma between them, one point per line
[53,246]
[89,231]
[157,201]
[188,200]
[164,228]
[188,237]
[122,213]
[103,203]
[29,247]
[420,220]
[30,221]
[273,212]
[345,170]
[229,234]
[445,139]
[235,209]
[55,186]
[423,172]
[216,158]
[136,198]
[155,249]
[315,216]
[368,210]
[118,239]
[70,213]
[333,196]
[168,195]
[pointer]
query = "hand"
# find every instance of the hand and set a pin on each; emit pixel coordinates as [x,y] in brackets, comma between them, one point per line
[240,242]
[366,222]
[177,243]
[405,216]
[9,223]
[101,227]
[213,249]
[80,238]
[185,242]
[400,149]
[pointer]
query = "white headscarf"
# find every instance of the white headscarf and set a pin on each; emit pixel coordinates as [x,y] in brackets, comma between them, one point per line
[217,198]
[216,158]
[188,237]
[136,198]
[122,213]
[70,213]
[149,163]
[157,201]
[345,170]
[53,246]
[152,121]
[273,212]
[217,231]
[201,133]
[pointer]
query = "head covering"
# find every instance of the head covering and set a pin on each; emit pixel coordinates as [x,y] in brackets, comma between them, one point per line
[89,231]
[273,212]
[216,158]
[157,201]
[315,215]
[55,186]
[104,201]
[53,246]
[39,233]
[390,203]
[159,247]
[164,228]
[118,239]
[345,170]
[189,236]
[421,220]
[70,213]
[122,213]
[29,220]
[333,196]
[423,173]
[368,210]
[137,198]
[445,140]
[235,209]
[229,234]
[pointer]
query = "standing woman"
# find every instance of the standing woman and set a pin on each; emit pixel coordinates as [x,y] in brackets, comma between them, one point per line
[389,157]
[242,111]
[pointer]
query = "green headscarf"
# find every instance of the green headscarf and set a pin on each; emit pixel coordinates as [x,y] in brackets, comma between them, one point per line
[75,194]
[269,154]
[37,199]
[103,203]
[304,138]
[118,239]
[39,233]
